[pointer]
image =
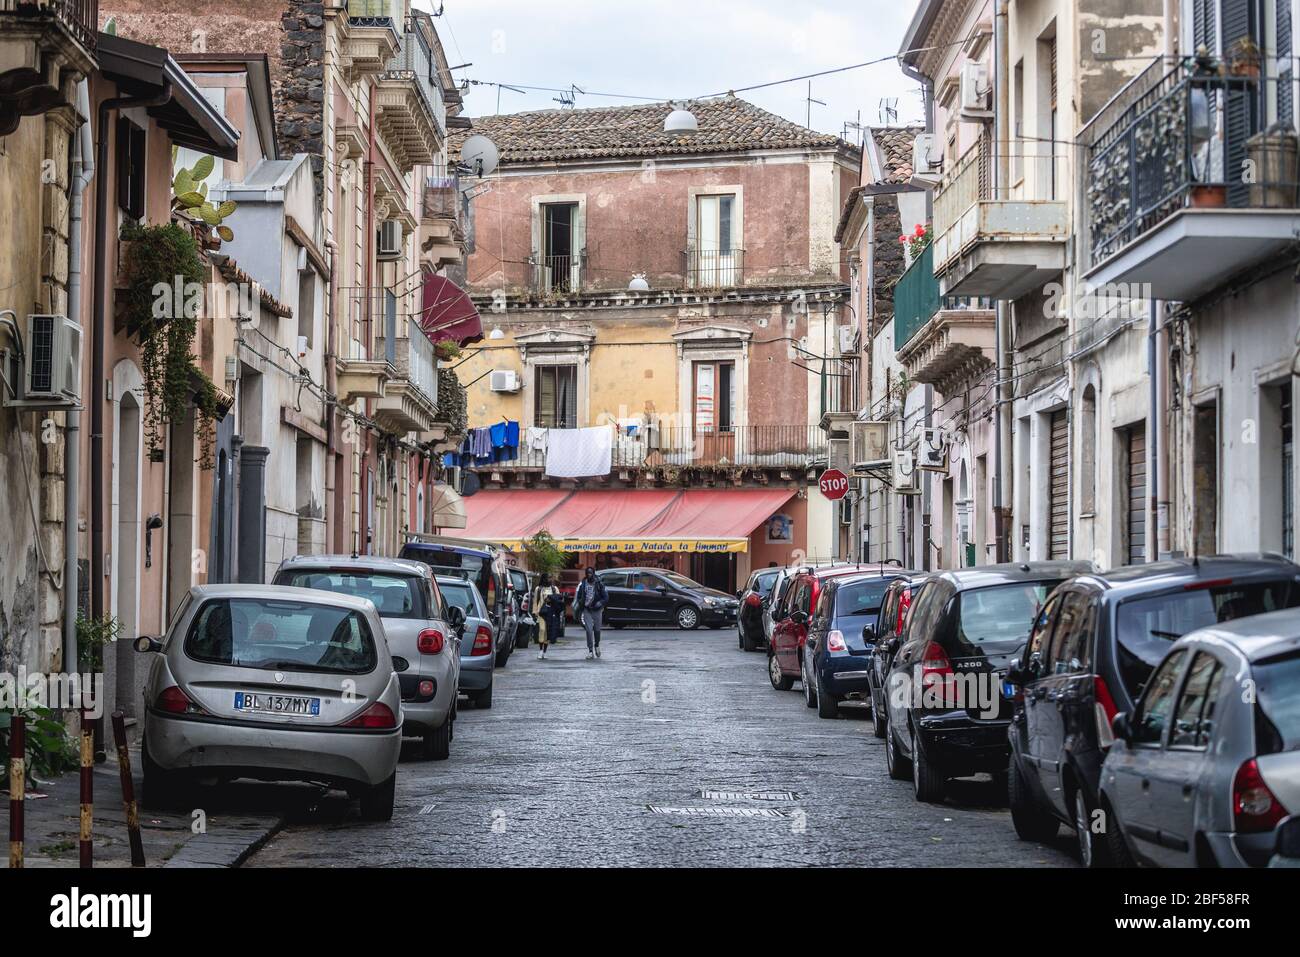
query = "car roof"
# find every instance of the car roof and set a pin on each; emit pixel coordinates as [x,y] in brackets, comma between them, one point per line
[459,546]
[1010,572]
[454,580]
[878,569]
[316,596]
[1257,637]
[406,566]
[1156,576]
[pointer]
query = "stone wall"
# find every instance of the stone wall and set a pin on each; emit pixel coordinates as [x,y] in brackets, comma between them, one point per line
[890,263]
[300,90]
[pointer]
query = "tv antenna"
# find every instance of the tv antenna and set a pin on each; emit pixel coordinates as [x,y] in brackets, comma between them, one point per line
[888,110]
[857,130]
[568,98]
[811,101]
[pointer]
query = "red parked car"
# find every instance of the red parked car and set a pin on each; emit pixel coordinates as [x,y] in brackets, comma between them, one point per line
[790,628]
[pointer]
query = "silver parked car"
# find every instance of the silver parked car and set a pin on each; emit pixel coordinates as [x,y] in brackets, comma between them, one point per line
[1208,764]
[272,683]
[478,638]
[424,645]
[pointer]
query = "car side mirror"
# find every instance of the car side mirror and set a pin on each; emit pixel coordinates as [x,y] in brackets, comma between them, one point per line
[1121,727]
[456,618]
[869,634]
[888,645]
[1035,667]
[740,593]
[145,644]
[799,617]
[661,589]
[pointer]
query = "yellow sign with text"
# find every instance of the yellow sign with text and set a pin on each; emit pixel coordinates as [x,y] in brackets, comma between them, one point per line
[660,546]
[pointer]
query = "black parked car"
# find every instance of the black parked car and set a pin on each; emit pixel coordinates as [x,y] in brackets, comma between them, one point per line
[656,596]
[946,715]
[885,634]
[521,591]
[1090,653]
[749,621]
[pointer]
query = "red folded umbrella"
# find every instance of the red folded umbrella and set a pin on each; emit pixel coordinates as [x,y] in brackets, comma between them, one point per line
[448,313]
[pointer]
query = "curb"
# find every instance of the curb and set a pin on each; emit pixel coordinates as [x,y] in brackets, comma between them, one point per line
[224,849]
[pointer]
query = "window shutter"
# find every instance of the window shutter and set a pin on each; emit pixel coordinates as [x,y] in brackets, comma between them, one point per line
[544,408]
[130,168]
[1285,66]
[1204,28]
[1241,105]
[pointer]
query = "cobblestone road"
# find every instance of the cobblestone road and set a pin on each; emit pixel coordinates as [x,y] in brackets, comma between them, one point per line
[565,767]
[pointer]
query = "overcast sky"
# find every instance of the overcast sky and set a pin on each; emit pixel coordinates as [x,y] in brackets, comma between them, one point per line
[669,49]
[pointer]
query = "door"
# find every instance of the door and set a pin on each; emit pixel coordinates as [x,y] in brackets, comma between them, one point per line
[650,598]
[618,608]
[715,265]
[1058,544]
[1036,703]
[791,632]
[1133,762]
[1175,771]
[1066,694]
[1135,469]
[714,411]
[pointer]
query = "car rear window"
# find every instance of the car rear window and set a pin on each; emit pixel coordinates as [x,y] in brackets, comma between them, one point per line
[1000,612]
[477,567]
[281,635]
[764,581]
[1277,683]
[861,598]
[460,596]
[1145,627]
[394,596]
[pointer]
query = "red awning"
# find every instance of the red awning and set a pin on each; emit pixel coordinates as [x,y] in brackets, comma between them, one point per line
[509,515]
[447,312]
[724,513]
[608,513]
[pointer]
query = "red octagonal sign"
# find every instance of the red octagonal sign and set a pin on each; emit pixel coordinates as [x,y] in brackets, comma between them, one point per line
[834,484]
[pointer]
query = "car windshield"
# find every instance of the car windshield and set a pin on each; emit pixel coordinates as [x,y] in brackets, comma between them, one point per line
[1146,626]
[1000,612]
[1278,685]
[462,597]
[394,596]
[861,598]
[681,581]
[281,635]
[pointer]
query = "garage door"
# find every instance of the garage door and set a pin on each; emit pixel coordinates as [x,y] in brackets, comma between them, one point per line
[1059,491]
[1136,484]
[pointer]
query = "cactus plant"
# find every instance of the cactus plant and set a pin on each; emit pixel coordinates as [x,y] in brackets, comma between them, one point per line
[190,200]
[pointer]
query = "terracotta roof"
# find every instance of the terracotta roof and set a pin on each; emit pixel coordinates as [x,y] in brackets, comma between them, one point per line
[727,125]
[895,144]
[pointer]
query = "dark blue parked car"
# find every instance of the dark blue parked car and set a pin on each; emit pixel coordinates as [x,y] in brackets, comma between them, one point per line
[837,656]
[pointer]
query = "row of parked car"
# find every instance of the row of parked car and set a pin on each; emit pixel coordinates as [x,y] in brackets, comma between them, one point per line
[1154,709]
[320,675]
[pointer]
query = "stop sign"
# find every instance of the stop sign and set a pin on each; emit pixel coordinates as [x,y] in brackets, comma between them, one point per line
[834,484]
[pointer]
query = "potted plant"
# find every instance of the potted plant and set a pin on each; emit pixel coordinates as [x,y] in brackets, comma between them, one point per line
[1244,58]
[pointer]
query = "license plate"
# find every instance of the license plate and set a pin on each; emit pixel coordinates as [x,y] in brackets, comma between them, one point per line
[277,704]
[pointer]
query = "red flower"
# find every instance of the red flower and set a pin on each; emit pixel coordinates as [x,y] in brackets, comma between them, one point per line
[920,229]
[902,239]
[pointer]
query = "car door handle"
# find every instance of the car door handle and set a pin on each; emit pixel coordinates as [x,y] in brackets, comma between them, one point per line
[1146,785]
[1189,790]
[1038,693]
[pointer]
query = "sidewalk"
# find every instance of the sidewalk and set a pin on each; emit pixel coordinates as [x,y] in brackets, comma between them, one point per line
[232,823]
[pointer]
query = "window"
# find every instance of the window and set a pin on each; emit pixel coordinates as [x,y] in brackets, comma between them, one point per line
[1205,478]
[282,635]
[1070,654]
[1153,712]
[861,598]
[131,161]
[642,581]
[1000,612]
[1018,123]
[1194,716]
[714,396]
[1088,452]
[763,582]
[562,249]
[306,305]
[614,579]
[1040,636]
[1278,683]
[556,397]
[715,254]
[462,597]
[394,596]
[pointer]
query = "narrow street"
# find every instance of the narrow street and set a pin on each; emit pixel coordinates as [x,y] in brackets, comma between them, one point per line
[567,766]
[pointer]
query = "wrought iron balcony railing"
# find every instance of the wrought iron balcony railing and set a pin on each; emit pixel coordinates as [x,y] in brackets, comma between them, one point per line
[713,268]
[443,200]
[80,17]
[375,13]
[559,274]
[1190,137]
[917,299]
[415,62]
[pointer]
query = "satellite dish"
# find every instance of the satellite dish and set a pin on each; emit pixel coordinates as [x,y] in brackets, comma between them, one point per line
[480,154]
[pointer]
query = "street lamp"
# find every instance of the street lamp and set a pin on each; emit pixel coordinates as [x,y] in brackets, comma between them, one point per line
[681,120]
[497,333]
[638,283]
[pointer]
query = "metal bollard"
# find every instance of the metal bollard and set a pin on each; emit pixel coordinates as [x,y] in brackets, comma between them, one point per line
[17,787]
[87,787]
[128,790]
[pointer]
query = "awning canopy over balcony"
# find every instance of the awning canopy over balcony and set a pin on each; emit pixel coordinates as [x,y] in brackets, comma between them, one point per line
[446,312]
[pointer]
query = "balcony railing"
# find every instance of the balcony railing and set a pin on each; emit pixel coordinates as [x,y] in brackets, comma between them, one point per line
[559,274]
[713,268]
[1181,139]
[916,297]
[969,182]
[375,13]
[80,17]
[750,446]
[443,200]
[415,62]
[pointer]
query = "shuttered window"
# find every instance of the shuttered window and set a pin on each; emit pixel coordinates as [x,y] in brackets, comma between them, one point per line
[1135,520]
[556,402]
[1242,105]
[1285,68]
[1059,490]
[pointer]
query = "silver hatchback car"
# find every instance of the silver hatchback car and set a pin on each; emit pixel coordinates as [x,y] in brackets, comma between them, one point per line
[424,644]
[272,683]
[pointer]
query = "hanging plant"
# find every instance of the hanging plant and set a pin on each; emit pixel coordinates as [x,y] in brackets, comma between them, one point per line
[447,349]
[162,300]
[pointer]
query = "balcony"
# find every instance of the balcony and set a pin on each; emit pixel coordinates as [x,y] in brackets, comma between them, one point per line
[985,245]
[412,115]
[372,36]
[360,377]
[37,41]
[409,402]
[1167,207]
[444,225]
[713,268]
[941,341]
[559,275]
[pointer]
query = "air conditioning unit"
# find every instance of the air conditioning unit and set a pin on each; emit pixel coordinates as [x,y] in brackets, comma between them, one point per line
[850,340]
[870,445]
[927,160]
[390,239]
[932,451]
[975,91]
[906,474]
[503,380]
[50,377]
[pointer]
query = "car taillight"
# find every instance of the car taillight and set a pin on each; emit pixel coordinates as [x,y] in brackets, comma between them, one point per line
[936,671]
[430,641]
[426,688]
[1104,710]
[752,600]
[1254,807]
[174,701]
[482,642]
[835,641]
[377,716]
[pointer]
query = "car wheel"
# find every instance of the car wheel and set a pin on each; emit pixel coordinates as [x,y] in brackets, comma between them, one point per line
[828,706]
[161,789]
[809,689]
[377,801]
[898,766]
[781,682]
[1093,853]
[928,780]
[503,656]
[1116,845]
[877,717]
[747,641]
[437,743]
[688,618]
[483,699]
[1032,822]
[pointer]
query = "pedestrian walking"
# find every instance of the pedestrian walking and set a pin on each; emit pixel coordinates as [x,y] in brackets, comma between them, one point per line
[548,606]
[588,603]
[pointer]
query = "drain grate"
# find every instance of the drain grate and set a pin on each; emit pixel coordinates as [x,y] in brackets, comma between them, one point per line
[767,812]
[712,794]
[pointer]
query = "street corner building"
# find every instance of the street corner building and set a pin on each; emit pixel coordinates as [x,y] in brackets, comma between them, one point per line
[669,305]
[229,289]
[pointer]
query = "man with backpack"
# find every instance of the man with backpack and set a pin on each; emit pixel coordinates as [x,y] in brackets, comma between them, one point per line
[588,602]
